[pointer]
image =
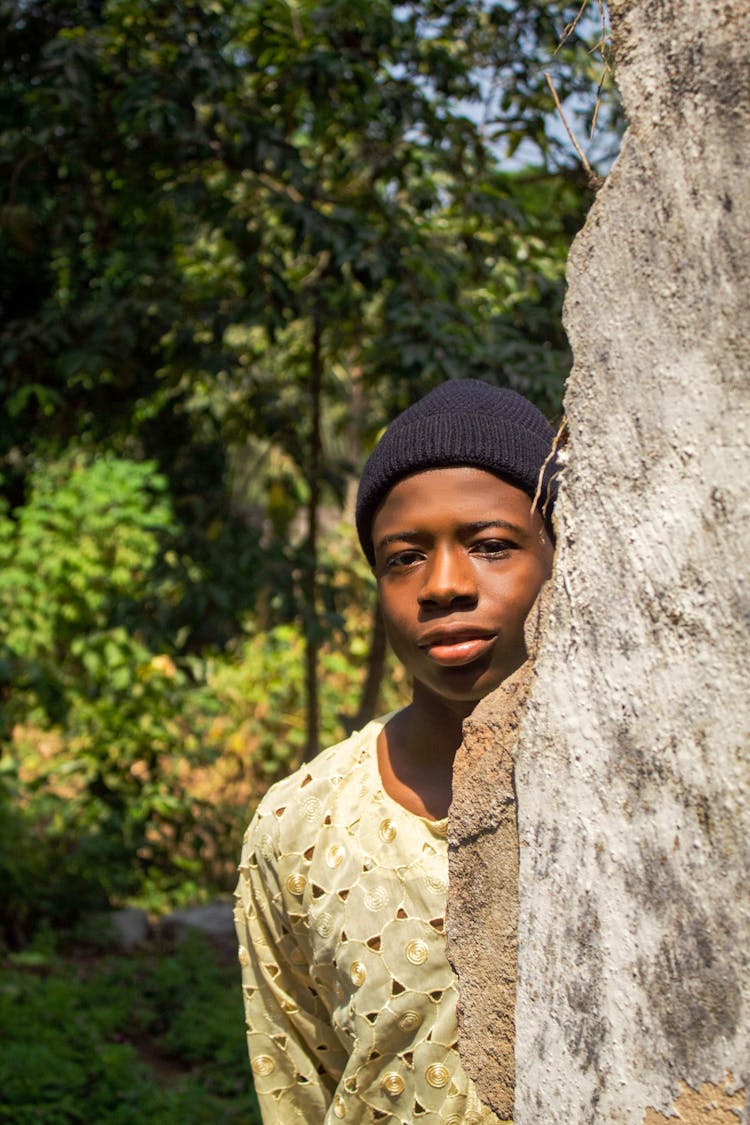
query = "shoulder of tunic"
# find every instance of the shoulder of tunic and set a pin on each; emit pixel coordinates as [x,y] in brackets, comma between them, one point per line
[301,793]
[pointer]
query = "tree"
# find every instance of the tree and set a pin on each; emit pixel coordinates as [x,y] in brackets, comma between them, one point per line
[601,818]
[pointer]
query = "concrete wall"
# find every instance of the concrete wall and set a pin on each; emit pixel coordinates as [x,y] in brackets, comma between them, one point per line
[601,824]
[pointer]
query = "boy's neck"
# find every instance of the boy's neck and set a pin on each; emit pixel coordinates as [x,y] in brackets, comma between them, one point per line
[416,750]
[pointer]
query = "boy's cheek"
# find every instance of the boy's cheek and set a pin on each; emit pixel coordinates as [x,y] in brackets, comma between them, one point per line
[393,630]
[400,637]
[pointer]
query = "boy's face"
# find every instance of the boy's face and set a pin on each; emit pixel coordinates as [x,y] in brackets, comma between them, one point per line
[459,561]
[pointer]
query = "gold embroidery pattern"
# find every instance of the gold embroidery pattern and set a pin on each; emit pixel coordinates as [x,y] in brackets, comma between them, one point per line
[437,1075]
[387,831]
[263,1065]
[393,1084]
[296,884]
[358,973]
[417,952]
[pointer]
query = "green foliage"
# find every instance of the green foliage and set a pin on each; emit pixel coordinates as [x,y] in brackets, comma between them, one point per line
[77,566]
[177,172]
[86,1042]
[74,561]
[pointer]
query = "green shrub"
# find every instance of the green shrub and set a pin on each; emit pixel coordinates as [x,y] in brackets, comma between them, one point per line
[96,711]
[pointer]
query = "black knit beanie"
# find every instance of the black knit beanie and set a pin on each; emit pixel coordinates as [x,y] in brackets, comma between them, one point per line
[461,422]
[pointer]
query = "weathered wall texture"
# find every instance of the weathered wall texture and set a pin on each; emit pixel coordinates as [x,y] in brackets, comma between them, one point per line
[632,767]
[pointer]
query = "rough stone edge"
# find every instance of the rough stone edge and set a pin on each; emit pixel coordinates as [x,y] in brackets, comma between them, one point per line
[487,1032]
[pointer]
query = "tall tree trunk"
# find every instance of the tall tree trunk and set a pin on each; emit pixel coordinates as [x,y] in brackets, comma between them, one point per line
[310,582]
[629,767]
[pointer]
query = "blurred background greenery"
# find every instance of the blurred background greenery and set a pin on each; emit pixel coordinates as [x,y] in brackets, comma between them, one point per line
[236,237]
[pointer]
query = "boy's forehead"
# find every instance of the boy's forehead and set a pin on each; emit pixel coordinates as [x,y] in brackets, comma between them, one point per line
[459,492]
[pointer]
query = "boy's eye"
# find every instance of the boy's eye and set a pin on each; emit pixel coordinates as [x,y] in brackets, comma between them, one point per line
[494,548]
[403,559]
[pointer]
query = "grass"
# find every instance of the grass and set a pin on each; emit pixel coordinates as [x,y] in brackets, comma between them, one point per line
[111,1039]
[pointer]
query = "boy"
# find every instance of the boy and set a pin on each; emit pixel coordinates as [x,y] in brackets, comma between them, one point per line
[350,1000]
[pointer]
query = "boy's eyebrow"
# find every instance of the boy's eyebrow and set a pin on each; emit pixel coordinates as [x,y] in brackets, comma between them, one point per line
[479,525]
[399,535]
[484,525]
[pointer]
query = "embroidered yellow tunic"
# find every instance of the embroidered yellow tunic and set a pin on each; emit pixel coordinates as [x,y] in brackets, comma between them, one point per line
[349,998]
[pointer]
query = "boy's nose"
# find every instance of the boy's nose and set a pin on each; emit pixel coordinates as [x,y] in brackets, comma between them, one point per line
[448,577]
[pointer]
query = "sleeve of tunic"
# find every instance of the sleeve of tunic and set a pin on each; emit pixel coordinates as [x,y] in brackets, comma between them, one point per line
[296,1057]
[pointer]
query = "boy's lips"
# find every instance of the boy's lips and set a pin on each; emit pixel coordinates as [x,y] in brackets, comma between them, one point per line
[453,648]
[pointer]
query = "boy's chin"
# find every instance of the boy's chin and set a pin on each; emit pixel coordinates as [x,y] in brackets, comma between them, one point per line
[452,693]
